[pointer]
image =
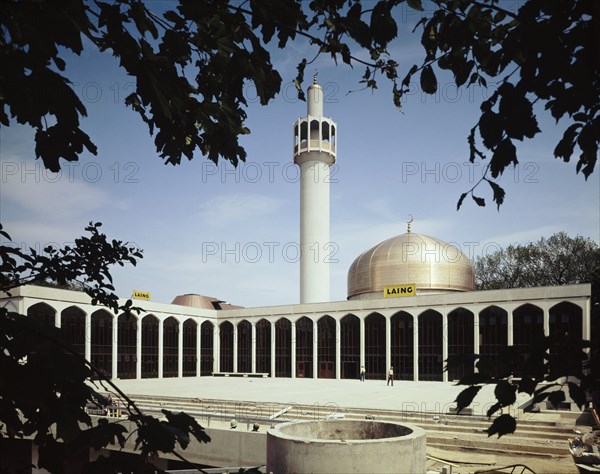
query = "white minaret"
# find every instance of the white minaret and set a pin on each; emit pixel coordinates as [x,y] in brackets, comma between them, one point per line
[314,153]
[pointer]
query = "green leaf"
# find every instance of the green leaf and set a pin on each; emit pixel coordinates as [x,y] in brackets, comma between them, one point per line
[504,155]
[491,128]
[498,193]
[564,148]
[415,5]
[480,201]
[460,200]
[428,80]
[383,26]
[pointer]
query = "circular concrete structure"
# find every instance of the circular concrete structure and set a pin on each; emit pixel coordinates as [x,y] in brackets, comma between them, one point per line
[345,446]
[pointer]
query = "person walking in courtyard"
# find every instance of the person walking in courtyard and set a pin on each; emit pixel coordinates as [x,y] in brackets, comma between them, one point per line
[362,373]
[391,376]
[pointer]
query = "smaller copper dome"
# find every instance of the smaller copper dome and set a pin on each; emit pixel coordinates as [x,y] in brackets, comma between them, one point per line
[194,300]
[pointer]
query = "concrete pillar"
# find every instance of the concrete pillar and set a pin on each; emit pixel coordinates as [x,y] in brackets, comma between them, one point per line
[180,350]
[57,318]
[546,322]
[416,348]
[138,349]
[198,348]
[161,349]
[362,341]
[217,348]
[338,349]
[273,347]
[586,330]
[476,336]
[510,327]
[115,346]
[444,344]
[388,347]
[253,353]
[293,350]
[88,336]
[235,348]
[315,351]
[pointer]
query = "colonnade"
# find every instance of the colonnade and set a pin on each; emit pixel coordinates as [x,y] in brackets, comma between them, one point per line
[416,341]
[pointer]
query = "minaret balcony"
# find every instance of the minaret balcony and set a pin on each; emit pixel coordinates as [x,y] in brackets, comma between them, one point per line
[315,135]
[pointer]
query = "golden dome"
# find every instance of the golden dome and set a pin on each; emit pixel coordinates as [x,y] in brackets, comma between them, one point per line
[432,265]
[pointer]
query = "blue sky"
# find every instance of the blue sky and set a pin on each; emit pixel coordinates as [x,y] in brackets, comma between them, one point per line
[233,234]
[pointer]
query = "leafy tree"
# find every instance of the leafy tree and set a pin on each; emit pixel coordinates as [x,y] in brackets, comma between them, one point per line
[548,367]
[191,64]
[45,385]
[557,260]
[546,370]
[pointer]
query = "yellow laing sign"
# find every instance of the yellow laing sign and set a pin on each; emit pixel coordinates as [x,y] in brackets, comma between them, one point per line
[395,291]
[141,295]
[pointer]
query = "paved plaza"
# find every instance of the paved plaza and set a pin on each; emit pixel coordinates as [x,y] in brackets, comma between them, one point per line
[436,397]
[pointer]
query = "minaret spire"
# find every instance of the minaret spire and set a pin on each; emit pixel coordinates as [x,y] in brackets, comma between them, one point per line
[314,153]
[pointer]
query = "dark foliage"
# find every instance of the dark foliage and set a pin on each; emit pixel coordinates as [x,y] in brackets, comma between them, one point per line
[191,64]
[45,385]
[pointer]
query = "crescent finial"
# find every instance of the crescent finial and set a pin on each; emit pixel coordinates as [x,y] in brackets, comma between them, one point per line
[408,222]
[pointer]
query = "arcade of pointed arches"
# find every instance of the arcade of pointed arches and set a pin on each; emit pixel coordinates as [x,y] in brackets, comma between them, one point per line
[328,345]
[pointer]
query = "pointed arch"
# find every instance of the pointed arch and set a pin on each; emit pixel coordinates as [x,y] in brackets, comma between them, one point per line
[461,327]
[528,325]
[43,314]
[325,132]
[263,346]
[226,346]
[402,345]
[566,321]
[430,336]
[72,324]
[101,341]
[327,337]
[350,346]
[170,347]
[375,346]
[127,327]
[190,339]
[566,333]
[11,307]
[304,347]
[207,346]
[283,348]
[149,346]
[493,340]
[244,336]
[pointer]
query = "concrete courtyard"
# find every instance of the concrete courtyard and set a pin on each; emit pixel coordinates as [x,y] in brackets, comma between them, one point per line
[435,397]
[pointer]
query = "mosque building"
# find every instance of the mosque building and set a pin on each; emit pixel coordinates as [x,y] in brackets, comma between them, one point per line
[411,304]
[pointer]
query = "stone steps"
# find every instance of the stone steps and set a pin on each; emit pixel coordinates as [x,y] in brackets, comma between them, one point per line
[534,437]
